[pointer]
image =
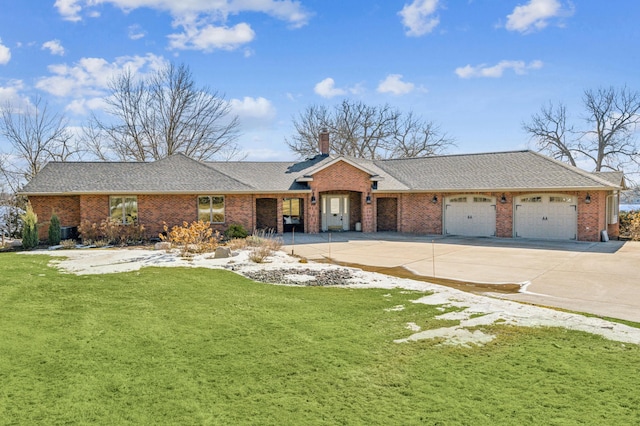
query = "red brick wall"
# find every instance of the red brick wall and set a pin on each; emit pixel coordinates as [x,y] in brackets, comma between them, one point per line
[386,213]
[94,208]
[416,213]
[504,215]
[419,215]
[155,210]
[67,208]
[267,213]
[591,217]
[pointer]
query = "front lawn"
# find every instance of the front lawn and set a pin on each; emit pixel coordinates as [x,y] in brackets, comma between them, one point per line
[198,346]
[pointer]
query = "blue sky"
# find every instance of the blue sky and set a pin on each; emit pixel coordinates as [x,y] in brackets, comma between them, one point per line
[478,68]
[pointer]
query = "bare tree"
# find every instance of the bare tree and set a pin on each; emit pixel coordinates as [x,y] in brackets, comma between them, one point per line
[608,138]
[162,115]
[365,131]
[36,136]
[413,137]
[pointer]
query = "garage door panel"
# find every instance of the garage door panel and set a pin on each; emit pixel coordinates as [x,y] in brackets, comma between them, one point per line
[548,216]
[470,215]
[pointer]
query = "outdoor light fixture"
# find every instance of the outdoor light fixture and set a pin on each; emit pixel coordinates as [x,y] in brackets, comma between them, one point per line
[368,199]
[313,198]
[503,199]
[587,199]
[434,199]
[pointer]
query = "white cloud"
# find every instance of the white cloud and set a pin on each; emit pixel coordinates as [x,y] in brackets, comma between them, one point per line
[5,54]
[136,32]
[202,21]
[519,67]
[69,9]
[11,94]
[54,47]
[534,15]
[394,84]
[209,37]
[326,88]
[89,77]
[250,108]
[418,17]
[82,106]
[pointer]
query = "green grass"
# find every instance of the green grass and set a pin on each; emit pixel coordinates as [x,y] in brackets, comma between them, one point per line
[194,346]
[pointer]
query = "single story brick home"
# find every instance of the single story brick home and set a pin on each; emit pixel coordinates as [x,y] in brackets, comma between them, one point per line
[518,194]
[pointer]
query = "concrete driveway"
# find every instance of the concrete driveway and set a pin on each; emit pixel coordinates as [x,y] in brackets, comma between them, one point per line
[597,278]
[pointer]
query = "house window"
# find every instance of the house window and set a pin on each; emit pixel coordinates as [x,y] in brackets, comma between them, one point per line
[612,209]
[211,208]
[123,210]
[291,211]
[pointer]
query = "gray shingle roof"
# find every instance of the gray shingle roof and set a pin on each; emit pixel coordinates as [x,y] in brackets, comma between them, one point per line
[615,178]
[177,173]
[517,170]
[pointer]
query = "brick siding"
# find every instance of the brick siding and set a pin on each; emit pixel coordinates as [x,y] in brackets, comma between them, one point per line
[386,213]
[67,208]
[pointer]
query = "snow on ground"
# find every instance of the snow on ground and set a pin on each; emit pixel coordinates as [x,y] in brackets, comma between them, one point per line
[476,310]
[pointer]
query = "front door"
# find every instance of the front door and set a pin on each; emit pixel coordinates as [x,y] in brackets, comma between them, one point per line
[335,212]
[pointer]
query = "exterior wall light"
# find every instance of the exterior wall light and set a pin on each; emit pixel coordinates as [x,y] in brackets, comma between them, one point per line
[587,199]
[503,199]
[434,199]
[313,198]
[368,199]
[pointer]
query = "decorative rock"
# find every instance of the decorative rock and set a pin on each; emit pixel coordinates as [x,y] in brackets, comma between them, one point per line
[323,277]
[222,253]
[163,245]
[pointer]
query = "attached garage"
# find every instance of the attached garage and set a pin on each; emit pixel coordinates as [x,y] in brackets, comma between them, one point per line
[470,215]
[548,216]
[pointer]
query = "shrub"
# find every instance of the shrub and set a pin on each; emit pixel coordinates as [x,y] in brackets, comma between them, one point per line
[68,244]
[114,232]
[630,224]
[30,228]
[259,254]
[54,230]
[197,237]
[89,232]
[235,231]
[110,231]
[264,243]
[237,244]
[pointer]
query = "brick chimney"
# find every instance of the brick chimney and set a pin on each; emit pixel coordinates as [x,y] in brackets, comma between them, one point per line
[324,142]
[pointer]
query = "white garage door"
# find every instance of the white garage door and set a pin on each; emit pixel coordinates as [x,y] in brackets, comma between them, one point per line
[548,216]
[470,215]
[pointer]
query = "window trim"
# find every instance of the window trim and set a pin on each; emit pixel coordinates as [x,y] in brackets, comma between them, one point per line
[123,209]
[612,207]
[211,212]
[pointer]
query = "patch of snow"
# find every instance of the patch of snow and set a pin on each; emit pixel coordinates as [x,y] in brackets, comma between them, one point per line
[472,310]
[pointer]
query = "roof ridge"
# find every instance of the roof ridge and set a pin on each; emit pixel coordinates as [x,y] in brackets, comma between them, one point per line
[454,155]
[204,164]
[589,175]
